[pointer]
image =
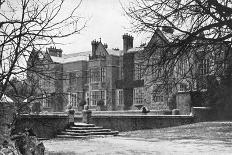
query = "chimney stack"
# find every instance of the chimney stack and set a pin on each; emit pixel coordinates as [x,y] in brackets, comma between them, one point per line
[127,42]
[55,52]
[94,44]
[105,45]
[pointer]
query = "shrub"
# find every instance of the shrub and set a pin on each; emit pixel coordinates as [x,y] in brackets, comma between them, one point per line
[82,103]
[100,103]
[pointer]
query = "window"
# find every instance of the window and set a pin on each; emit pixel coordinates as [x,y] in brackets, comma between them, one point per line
[204,67]
[46,102]
[119,96]
[138,95]
[49,80]
[156,69]
[182,67]
[157,95]
[138,71]
[103,74]
[102,97]
[158,98]
[96,96]
[94,75]
[121,72]
[41,82]
[183,87]
[72,78]
[74,98]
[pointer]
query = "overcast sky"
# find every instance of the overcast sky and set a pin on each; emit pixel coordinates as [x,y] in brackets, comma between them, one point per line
[106,20]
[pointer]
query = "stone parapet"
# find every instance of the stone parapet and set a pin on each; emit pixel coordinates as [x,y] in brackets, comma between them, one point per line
[139,122]
[132,112]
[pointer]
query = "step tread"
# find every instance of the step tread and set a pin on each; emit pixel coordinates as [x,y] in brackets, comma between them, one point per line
[85,128]
[69,136]
[84,131]
[89,133]
[80,137]
[83,125]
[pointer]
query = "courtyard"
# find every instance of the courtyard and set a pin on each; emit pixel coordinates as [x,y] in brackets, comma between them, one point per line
[199,138]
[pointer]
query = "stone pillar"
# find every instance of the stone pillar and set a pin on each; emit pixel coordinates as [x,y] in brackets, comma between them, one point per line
[175,112]
[86,115]
[71,114]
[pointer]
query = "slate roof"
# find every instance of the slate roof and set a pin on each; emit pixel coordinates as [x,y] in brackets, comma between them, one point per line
[114,52]
[66,58]
[81,56]
[86,53]
[135,49]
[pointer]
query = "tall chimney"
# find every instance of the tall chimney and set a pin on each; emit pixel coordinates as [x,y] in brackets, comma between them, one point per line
[94,44]
[105,45]
[127,42]
[55,52]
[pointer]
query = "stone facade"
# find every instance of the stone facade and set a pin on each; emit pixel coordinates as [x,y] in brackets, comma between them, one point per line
[122,79]
[110,75]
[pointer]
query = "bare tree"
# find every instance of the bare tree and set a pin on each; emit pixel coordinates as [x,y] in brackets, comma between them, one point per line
[27,26]
[195,46]
[31,25]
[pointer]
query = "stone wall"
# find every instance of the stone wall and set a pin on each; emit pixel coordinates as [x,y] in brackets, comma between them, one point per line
[139,122]
[45,126]
[132,112]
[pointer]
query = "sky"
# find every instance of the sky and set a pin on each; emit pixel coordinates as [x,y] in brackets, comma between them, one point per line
[105,20]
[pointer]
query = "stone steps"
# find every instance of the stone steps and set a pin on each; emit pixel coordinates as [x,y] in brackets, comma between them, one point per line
[83,125]
[70,136]
[89,133]
[83,130]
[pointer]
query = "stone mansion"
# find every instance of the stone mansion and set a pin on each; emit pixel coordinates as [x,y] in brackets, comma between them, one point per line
[111,75]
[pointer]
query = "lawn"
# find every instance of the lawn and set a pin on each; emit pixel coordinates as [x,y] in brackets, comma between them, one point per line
[199,138]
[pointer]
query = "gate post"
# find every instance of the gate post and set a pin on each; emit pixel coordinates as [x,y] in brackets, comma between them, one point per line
[86,115]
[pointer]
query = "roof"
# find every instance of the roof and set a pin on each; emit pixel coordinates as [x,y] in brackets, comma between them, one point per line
[73,59]
[158,35]
[86,53]
[135,49]
[57,59]
[66,58]
[114,52]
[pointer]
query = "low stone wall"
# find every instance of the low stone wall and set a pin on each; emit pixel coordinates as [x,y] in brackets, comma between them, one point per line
[45,125]
[132,112]
[138,122]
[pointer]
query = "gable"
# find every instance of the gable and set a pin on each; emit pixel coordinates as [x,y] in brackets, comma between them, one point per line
[47,57]
[157,38]
[101,50]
